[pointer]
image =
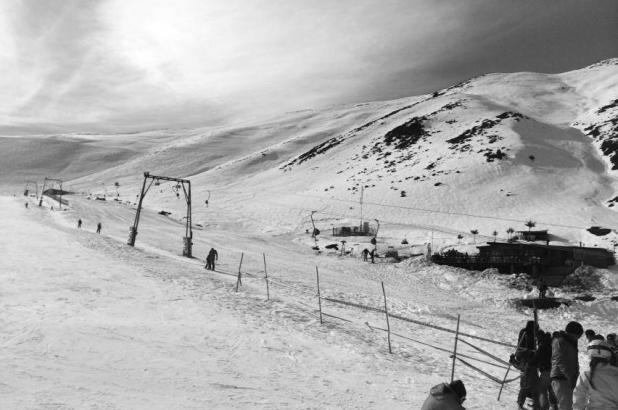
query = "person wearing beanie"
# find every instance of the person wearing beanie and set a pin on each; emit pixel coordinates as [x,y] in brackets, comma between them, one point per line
[565,364]
[589,335]
[446,396]
[596,388]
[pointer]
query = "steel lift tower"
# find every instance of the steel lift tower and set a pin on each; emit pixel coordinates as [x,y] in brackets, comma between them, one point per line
[186,188]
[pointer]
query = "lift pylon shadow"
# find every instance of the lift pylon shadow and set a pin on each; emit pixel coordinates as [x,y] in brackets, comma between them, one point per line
[59,196]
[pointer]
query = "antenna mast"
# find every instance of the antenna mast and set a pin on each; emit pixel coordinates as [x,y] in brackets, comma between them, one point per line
[361,226]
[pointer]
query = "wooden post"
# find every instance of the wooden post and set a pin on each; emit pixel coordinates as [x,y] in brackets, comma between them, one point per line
[455,350]
[266,278]
[239,280]
[503,380]
[317,275]
[388,325]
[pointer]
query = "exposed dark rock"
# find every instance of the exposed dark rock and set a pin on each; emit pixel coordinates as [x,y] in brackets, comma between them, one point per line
[609,148]
[599,231]
[585,298]
[613,104]
[485,125]
[317,150]
[406,135]
[491,155]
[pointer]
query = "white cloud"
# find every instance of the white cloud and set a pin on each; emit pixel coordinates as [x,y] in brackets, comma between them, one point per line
[109,63]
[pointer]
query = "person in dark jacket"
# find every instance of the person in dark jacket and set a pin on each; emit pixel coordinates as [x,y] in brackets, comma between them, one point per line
[99,227]
[565,364]
[365,252]
[446,396]
[211,258]
[542,359]
[526,351]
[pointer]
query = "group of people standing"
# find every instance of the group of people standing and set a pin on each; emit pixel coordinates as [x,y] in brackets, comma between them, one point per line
[550,372]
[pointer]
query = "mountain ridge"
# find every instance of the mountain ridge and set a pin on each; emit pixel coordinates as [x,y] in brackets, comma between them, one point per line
[513,146]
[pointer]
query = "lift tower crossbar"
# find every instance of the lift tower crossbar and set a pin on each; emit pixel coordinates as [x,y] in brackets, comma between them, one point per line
[186,189]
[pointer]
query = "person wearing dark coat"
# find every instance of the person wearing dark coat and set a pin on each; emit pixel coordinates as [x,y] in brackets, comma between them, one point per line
[99,227]
[565,364]
[526,351]
[542,359]
[365,252]
[446,396]
[211,258]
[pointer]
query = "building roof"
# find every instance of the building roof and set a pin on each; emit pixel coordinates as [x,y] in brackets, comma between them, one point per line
[540,245]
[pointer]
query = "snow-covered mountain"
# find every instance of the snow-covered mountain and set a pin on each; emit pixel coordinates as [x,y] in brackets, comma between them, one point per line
[487,153]
[91,322]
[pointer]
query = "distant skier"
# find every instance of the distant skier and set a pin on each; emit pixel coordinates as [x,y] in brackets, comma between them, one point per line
[79,223]
[26,204]
[373,255]
[365,253]
[99,227]
[211,258]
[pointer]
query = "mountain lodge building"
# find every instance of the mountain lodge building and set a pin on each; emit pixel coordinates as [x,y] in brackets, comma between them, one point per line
[552,262]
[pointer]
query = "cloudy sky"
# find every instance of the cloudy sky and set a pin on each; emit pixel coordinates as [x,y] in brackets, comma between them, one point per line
[112,65]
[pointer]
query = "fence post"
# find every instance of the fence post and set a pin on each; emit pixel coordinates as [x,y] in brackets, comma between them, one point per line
[317,275]
[266,278]
[455,350]
[239,280]
[388,325]
[504,380]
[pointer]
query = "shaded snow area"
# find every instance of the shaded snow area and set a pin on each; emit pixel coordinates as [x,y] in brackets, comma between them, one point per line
[89,322]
